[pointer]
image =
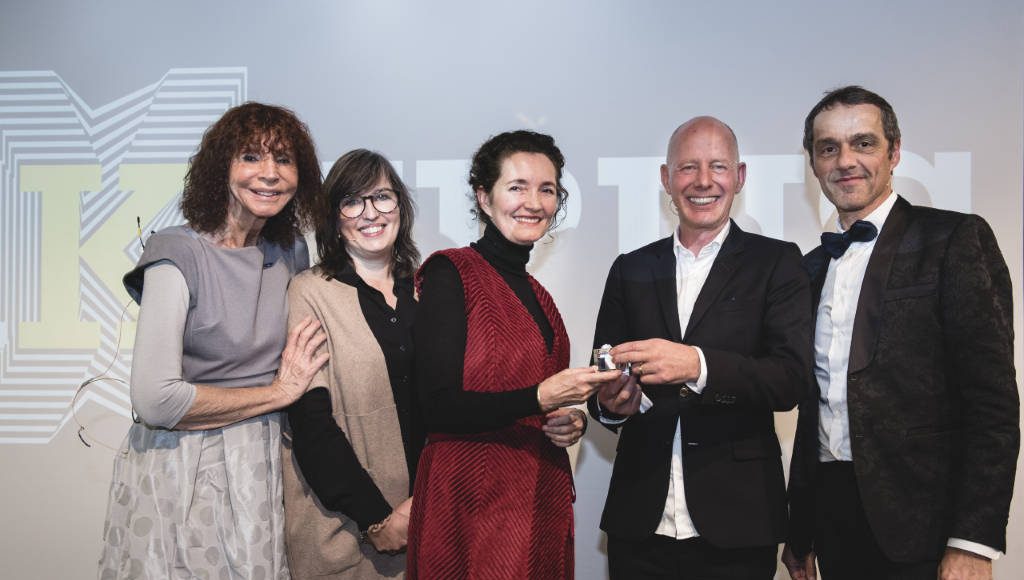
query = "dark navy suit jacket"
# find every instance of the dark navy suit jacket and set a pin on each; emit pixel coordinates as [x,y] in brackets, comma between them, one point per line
[752,320]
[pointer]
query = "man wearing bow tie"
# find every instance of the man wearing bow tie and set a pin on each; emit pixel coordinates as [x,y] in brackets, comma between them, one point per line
[905,455]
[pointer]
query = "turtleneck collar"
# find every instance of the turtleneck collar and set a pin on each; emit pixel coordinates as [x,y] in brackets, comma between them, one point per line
[501,253]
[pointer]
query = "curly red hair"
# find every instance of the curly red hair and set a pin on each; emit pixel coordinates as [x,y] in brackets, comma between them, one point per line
[251,127]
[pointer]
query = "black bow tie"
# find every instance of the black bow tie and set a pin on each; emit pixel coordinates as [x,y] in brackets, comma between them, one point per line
[836,244]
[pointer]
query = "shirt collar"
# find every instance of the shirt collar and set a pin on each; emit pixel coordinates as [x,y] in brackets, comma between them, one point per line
[349,276]
[712,247]
[877,217]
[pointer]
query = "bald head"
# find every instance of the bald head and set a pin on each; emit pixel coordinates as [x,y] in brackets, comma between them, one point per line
[702,174]
[697,125]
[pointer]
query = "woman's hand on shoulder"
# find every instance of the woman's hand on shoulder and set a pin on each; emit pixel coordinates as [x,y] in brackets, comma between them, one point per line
[572,386]
[300,361]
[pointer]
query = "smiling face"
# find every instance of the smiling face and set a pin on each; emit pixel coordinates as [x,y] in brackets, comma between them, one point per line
[851,158]
[523,199]
[372,235]
[261,185]
[702,174]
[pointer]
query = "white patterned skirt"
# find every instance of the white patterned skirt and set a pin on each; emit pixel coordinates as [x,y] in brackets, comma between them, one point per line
[197,504]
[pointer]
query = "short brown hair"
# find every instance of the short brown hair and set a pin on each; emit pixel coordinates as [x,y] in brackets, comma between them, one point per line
[849,96]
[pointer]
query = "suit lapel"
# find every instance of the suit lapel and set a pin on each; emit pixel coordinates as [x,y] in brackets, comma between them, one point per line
[721,271]
[665,286]
[869,304]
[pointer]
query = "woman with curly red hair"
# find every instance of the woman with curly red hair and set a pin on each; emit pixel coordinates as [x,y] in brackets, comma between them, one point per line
[196,490]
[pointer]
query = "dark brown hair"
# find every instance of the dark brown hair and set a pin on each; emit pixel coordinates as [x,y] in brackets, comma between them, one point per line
[353,174]
[251,127]
[486,166]
[849,96]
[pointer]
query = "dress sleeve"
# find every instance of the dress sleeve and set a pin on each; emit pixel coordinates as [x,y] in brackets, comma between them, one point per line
[440,337]
[159,394]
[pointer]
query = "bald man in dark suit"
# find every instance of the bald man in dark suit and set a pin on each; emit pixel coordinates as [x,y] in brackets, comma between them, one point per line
[716,323]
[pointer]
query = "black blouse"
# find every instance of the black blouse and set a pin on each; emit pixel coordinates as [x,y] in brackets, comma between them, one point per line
[440,336]
[323,452]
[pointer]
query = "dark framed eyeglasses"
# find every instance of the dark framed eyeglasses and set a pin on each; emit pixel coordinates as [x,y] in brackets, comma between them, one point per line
[383,200]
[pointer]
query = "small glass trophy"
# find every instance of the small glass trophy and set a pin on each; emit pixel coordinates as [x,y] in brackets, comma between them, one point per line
[604,362]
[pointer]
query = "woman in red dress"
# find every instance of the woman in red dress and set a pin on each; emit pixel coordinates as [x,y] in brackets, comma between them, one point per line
[493,490]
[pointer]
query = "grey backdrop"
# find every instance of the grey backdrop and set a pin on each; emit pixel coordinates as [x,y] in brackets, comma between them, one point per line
[101,103]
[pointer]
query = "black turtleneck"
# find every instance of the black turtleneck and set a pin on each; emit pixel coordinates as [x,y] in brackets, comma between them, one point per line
[440,336]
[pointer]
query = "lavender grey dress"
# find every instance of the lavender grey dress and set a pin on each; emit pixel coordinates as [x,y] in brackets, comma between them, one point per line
[205,504]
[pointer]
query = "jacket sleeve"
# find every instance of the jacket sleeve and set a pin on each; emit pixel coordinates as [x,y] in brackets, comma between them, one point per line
[977,315]
[610,329]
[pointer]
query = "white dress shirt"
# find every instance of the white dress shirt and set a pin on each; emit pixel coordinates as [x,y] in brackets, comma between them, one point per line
[691,273]
[833,332]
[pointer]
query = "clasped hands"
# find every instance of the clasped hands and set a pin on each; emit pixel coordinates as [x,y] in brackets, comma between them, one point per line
[564,426]
[394,535]
[654,361]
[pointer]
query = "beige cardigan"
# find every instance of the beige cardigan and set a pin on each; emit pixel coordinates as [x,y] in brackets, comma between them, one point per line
[321,543]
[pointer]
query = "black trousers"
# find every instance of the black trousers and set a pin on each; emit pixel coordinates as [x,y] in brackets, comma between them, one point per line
[693,558]
[843,540]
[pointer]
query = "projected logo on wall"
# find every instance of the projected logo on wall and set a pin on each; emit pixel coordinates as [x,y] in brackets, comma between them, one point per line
[75,179]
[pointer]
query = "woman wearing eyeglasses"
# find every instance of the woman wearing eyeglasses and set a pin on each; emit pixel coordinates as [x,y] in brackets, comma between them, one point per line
[355,437]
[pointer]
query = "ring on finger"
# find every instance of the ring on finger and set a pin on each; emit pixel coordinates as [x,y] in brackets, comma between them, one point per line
[639,369]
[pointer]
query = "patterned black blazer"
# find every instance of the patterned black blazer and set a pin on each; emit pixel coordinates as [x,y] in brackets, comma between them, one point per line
[932,394]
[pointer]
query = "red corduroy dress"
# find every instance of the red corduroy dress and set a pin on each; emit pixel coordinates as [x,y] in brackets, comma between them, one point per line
[497,504]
